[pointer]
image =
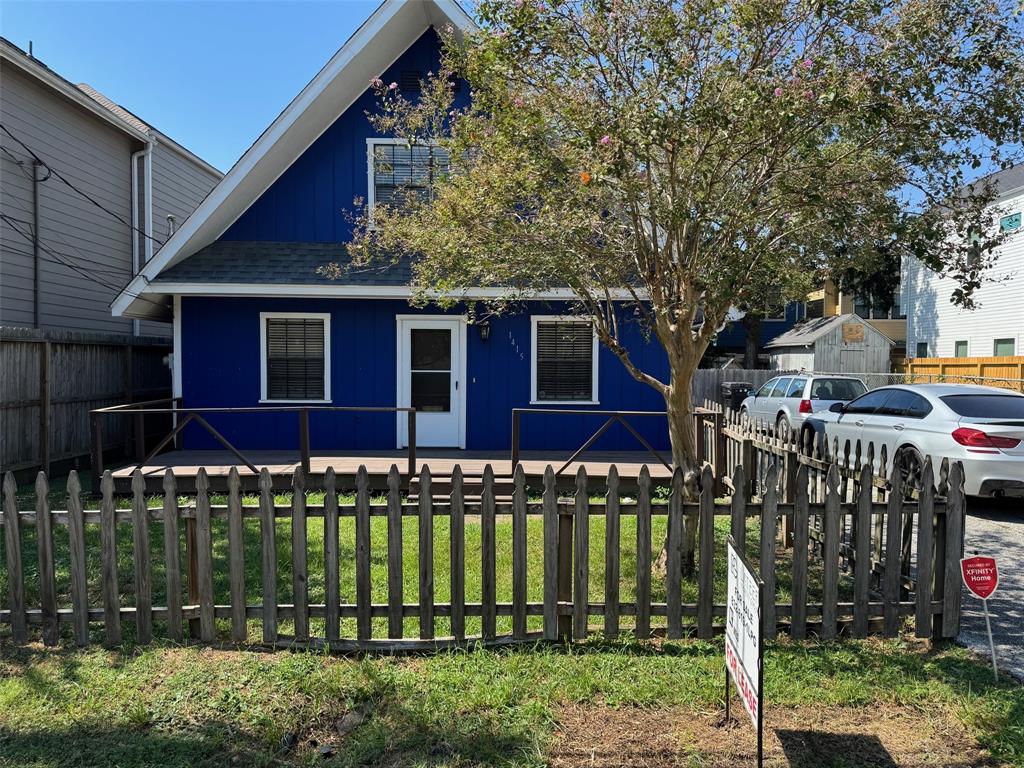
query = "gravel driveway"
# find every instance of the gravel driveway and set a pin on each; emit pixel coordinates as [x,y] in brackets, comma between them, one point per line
[996,528]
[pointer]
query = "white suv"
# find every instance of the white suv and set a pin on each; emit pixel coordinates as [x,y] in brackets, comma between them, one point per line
[785,402]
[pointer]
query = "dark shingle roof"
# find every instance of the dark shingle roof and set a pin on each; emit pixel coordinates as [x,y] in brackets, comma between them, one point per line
[237,261]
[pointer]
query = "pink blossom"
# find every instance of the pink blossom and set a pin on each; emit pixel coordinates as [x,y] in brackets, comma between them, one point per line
[392,86]
[518,101]
[808,63]
[778,91]
[605,140]
[376,82]
[808,95]
[519,3]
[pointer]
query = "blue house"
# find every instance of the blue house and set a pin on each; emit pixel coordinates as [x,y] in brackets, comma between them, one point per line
[256,326]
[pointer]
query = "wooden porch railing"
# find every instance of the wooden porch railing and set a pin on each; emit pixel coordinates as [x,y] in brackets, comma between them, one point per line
[182,417]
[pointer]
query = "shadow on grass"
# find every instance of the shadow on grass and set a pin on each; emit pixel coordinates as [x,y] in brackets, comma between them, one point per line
[98,744]
[817,749]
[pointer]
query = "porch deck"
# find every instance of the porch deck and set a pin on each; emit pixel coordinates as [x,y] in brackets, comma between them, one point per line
[282,464]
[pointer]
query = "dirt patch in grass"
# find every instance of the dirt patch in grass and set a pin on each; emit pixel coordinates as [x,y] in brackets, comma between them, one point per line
[801,737]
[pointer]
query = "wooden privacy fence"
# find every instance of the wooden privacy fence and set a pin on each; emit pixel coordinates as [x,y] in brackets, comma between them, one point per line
[576,565]
[51,379]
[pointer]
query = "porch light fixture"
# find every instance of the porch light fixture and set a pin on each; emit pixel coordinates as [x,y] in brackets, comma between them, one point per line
[485,330]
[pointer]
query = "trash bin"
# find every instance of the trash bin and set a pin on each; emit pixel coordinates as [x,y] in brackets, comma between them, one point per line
[734,392]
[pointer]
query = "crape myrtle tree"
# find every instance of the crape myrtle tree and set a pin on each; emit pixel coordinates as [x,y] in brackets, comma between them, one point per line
[660,158]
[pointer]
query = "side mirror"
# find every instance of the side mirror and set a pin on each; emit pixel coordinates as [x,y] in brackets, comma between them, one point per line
[837,407]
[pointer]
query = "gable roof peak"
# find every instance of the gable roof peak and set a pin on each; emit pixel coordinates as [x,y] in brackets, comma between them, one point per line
[381,39]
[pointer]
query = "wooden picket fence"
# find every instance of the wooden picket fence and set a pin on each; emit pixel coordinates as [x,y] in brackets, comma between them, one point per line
[880,586]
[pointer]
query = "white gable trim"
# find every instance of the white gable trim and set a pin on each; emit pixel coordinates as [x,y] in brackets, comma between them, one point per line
[392,28]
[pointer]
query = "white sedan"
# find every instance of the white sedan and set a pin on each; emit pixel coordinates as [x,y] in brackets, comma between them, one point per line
[983,427]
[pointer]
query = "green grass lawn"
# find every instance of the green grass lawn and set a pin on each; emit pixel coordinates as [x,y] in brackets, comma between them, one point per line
[165,705]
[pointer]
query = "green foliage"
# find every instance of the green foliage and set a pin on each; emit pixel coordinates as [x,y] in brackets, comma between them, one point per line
[702,155]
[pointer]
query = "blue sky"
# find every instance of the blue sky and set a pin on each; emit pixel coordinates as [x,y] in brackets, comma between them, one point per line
[211,75]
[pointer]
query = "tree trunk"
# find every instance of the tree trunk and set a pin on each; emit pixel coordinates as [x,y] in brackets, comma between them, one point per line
[679,406]
[752,326]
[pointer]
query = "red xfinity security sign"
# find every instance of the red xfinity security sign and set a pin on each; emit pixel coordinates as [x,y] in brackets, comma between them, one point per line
[980,575]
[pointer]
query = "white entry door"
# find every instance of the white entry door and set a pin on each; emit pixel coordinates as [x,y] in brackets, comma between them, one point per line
[431,379]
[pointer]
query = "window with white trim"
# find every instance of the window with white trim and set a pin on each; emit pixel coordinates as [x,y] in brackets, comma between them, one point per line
[295,357]
[400,171]
[564,361]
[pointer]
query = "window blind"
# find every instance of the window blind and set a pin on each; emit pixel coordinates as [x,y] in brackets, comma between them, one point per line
[565,352]
[402,172]
[295,358]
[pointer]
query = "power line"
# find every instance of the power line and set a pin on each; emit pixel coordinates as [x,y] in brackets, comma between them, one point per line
[65,260]
[84,194]
[98,265]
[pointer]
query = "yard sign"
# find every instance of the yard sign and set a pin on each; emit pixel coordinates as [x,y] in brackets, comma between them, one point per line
[981,577]
[744,641]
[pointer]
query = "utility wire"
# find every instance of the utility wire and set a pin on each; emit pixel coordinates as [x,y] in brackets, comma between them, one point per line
[84,194]
[66,261]
[78,255]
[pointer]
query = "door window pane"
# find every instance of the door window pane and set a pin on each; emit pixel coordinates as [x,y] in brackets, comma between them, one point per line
[796,389]
[780,387]
[870,402]
[431,391]
[906,404]
[766,388]
[431,349]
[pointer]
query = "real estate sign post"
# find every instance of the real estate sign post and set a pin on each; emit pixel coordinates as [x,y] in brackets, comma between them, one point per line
[744,647]
[981,577]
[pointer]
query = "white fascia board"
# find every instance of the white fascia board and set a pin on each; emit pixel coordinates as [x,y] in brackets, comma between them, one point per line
[378,43]
[341,291]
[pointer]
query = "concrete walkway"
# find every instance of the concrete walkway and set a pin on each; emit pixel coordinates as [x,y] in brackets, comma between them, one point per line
[996,528]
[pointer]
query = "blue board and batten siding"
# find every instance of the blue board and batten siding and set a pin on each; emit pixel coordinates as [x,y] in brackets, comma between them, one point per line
[309,201]
[221,368]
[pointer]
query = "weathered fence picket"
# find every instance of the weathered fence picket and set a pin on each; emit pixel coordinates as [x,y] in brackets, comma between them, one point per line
[575,601]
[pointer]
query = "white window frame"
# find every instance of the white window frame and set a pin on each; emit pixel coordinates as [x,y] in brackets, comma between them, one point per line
[264,317]
[1015,341]
[536,320]
[371,197]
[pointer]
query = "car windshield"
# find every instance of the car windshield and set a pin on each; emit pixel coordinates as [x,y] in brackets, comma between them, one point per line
[836,389]
[987,406]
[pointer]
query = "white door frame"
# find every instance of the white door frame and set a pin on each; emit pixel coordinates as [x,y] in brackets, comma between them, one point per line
[458,323]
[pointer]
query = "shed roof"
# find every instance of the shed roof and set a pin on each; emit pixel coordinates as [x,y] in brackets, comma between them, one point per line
[806,333]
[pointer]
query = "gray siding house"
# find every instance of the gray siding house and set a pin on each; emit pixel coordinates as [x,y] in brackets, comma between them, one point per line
[838,344]
[88,193]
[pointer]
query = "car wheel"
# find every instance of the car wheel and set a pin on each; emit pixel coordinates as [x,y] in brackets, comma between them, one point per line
[910,465]
[807,440]
[783,429]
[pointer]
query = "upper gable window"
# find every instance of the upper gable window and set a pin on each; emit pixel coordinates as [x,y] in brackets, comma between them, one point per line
[399,171]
